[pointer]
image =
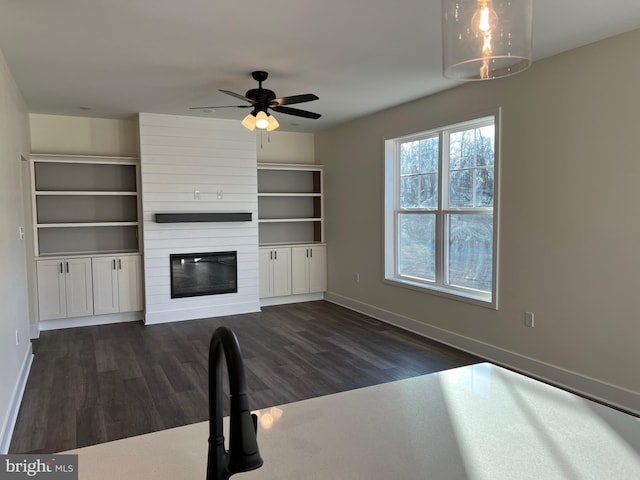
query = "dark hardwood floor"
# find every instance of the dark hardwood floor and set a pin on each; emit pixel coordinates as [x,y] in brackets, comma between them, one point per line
[95,384]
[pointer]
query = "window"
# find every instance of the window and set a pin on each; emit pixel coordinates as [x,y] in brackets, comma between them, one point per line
[440,219]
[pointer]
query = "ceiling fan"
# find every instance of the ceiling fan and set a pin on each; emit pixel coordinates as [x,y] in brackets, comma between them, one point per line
[262,100]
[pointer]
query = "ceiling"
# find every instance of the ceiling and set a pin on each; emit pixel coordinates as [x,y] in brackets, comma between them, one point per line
[118,57]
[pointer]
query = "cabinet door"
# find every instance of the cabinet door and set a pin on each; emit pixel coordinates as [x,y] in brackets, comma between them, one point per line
[130,283]
[299,270]
[105,285]
[266,273]
[52,300]
[281,272]
[317,262]
[78,285]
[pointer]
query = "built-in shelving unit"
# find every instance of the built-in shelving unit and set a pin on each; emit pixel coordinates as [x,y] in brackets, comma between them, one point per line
[84,204]
[290,204]
[86,211]
[291,235]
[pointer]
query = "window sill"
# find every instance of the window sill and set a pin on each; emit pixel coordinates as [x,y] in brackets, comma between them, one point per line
[480,300]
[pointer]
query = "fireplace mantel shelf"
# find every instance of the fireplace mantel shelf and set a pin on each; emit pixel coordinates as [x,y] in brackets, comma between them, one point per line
[176,217]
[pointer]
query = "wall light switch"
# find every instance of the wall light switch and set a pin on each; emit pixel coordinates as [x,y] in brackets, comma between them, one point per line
[528,319]
[196,194]
[219,194]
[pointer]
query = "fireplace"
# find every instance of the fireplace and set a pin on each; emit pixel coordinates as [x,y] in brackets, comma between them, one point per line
[197,274]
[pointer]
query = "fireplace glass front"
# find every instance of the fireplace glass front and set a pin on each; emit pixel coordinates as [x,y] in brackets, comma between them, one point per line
[196,274]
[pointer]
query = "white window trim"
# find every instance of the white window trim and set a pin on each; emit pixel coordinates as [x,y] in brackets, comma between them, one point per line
[392,185]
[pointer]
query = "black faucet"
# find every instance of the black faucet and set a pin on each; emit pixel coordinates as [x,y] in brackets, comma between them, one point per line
[243,454]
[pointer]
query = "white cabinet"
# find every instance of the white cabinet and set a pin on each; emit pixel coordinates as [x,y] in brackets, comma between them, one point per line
[86,286]
[308,269]
[117,284]
[64,288]
[275,272]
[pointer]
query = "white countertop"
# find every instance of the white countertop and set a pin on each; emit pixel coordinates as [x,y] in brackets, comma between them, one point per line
[475,422]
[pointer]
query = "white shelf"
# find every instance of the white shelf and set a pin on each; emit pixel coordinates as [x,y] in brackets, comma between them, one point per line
[87,224]
[290,194]
[84,205]
[290,205]
[288,220]
[84,193]
[96,253]
[290,244]
[94,159]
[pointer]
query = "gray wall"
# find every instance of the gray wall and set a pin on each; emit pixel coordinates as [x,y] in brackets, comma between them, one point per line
[569,232]
[14,358]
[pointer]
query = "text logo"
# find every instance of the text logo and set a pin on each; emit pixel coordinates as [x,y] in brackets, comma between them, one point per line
[50,467]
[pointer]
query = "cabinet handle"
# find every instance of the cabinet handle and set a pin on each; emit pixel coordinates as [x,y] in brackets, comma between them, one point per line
[311,252]
[61,268]
[114,263]
[275,255]
[67,266]
[271,255]
[119,264]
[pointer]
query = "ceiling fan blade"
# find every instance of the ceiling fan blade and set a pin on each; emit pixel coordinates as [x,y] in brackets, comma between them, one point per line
[221,106]
[237,95]
[307,97]
[297,112]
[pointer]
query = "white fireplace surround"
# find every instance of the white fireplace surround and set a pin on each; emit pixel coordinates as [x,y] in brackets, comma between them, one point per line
[192,164]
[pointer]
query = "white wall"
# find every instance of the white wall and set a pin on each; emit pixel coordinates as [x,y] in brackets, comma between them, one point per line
[569,229]
[14,359]
[285,147]
[68,135]
[180,155]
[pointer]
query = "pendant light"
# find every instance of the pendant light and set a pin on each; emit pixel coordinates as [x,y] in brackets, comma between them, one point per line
[260,120]
[485,39]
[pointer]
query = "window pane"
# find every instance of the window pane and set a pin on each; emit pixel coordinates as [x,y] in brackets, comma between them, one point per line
[429,190]
[484,146]
[471,188]
[429,155]
[483,187]
[461,189]
[416,242]
[469,259]
[410,191]
[409,157]
[471,148]
[459,151]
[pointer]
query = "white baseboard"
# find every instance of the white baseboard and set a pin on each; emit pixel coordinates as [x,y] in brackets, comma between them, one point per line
[59,323]
[16,399]
[597,390]
[34,331]
[152,318]
[308,297]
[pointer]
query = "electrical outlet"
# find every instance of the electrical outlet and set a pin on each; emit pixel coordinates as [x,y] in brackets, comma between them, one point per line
[21,233]
[196,194]
[529,319]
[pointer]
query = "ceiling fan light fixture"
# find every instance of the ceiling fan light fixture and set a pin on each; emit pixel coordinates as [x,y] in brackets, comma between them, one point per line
[273,123]
[249,122]
[486,39]
[262,122]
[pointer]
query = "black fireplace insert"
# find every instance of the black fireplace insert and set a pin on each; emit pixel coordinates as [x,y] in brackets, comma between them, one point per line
[197,274]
